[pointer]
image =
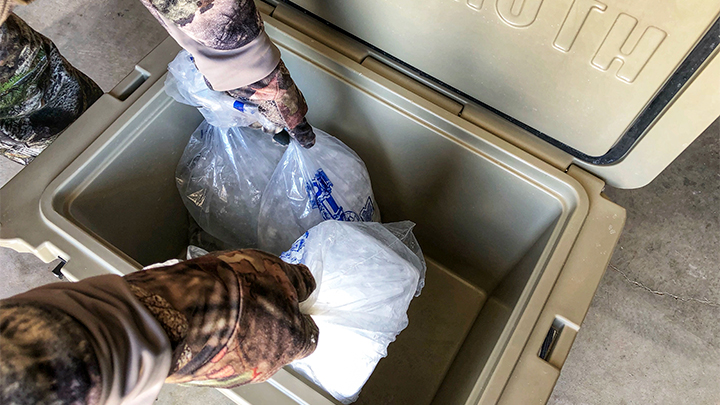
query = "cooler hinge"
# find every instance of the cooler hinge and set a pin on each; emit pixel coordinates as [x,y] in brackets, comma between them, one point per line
[413,81]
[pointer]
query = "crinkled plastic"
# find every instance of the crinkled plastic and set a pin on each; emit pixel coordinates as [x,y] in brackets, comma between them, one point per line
[366,278]
[193,252]
[403,231]
[221,177]
[166,263]
[187,85]
[327,181]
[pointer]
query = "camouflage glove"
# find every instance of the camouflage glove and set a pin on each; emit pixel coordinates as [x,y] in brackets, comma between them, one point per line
[232,317]
[281,102]
[221,320]
[231,49]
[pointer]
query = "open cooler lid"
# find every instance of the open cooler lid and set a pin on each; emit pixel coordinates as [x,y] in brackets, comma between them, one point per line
[591,77]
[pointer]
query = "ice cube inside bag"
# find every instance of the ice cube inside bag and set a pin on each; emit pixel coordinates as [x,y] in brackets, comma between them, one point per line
[221,177]
[326,182]
[366,277]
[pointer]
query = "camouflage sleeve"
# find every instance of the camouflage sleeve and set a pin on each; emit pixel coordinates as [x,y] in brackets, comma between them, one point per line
[47,358]
[216,24]
[230,47]
[233,317]
[221,320]
[88,342]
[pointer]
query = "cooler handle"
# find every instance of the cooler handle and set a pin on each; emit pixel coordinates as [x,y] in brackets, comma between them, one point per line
[130,83]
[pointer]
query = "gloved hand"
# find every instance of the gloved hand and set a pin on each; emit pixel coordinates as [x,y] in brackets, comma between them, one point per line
[232,317]
[281,102]
[231,49]
[221,320]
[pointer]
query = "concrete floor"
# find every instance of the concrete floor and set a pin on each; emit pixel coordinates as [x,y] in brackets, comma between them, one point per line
[651,333]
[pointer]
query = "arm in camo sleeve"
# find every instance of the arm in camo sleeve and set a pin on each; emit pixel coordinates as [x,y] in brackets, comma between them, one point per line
[232,317]
[231,49]
[221,320]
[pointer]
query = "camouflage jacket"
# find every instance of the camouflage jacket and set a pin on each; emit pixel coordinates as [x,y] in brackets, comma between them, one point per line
[221,320]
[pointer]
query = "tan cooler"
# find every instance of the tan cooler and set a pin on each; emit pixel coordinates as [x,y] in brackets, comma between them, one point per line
[492,124]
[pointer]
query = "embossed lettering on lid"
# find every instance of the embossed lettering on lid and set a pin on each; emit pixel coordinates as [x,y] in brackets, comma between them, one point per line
[578,73]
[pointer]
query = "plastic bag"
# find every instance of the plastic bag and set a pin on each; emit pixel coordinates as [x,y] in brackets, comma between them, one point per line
[193,252]
[200,238]
[187,85]
[221,177]
[327,181]
[366,278]
[166,263]
[403,231]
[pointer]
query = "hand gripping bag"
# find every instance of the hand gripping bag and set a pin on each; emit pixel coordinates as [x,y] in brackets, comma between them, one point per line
[366,277]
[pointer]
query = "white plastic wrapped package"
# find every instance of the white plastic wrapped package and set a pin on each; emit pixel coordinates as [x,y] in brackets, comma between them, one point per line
[187,85]
[327,181]
[221,177]
[366,278]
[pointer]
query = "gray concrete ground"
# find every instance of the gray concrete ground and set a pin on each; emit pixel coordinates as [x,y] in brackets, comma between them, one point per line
[651,333]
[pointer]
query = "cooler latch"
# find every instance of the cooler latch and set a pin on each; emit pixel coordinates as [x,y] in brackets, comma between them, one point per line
[57,271]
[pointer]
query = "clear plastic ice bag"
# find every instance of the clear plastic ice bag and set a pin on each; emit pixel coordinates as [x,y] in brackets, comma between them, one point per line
[327,181]
[366,278]
[221,177]
[187,85]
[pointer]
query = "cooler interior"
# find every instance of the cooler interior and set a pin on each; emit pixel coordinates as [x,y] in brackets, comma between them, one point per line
[486,219]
